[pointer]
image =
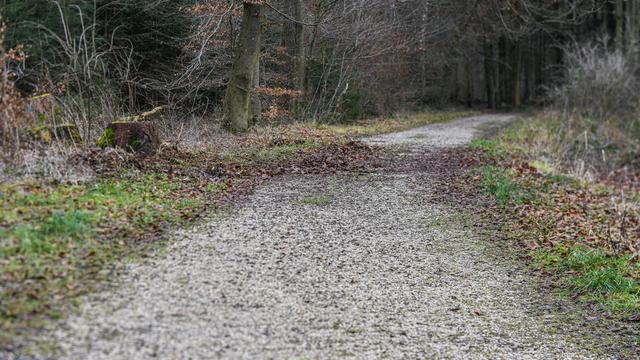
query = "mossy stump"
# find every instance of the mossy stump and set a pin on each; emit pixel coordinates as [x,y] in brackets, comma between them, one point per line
[66,132]
[140,137]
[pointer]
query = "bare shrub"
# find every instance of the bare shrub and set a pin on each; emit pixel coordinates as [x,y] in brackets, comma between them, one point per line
[194,131]
[600,83]
[49,162]
[599,105]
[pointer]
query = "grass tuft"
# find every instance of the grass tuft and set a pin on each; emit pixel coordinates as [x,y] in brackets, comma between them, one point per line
[499,182]
[595,276]
[605,281]
[486,145]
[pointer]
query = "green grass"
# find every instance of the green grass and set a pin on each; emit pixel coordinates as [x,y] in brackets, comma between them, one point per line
[499,182]
[55,239]
[50,237]
[595,276]
[489,146]
[320,200]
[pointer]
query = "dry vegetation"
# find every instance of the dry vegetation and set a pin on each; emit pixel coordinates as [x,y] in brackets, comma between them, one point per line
[60,229]
[568,177]
[568,181]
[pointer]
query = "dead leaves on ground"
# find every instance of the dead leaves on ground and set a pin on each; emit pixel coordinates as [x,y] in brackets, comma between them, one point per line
[561,211]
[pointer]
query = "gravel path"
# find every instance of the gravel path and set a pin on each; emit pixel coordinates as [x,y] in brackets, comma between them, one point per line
[325,267]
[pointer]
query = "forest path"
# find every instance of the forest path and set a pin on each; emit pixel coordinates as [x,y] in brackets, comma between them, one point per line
[325,267]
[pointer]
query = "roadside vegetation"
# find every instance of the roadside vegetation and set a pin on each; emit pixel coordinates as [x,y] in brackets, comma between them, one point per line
[567,179]
[584,232]
[60,235]
[245,90]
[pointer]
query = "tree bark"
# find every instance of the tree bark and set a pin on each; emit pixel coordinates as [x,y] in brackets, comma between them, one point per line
[256,104]
[517,75]
[239,89]
[489,74]
[299,59]
[293,41]
[468,84]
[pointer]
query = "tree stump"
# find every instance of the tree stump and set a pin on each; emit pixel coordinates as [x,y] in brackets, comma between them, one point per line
[140,137]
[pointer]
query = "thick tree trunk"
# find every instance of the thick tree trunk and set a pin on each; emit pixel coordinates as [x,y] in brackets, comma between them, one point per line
[239,90]
[256,105]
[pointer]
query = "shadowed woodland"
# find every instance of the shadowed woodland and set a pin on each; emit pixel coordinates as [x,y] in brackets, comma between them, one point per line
[329,61]
[122,119]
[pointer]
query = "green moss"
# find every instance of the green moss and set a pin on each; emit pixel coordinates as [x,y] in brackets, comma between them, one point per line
[53,240]
[68,132]
[320,200]
[108,139]
[42,133]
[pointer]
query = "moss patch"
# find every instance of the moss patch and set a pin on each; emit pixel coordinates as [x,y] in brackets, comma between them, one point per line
[55,240]
[107,139]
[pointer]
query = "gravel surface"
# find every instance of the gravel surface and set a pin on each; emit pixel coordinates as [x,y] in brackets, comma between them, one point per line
[325,267]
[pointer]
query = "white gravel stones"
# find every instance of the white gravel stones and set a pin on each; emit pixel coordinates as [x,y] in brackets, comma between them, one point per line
[367,276]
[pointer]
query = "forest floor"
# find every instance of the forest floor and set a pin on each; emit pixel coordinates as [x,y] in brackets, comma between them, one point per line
[384,261]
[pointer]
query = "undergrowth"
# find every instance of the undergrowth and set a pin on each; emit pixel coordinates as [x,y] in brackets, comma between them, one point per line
[54,239]
[595,276]
[57,238]
[586,232]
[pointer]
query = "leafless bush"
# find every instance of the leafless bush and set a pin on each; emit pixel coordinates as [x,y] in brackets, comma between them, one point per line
[50,162]
[599,105]
[600,83]
[87,73]
[194,131]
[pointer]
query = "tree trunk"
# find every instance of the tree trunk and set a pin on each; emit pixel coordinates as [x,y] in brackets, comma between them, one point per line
[620,41]
[489,74]
[256,105]
[517,75]
[239,89]
[632,23]
[293,41]
[468,84]
[299,60]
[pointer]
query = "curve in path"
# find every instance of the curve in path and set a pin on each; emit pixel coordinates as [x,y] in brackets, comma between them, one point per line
[325,267]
